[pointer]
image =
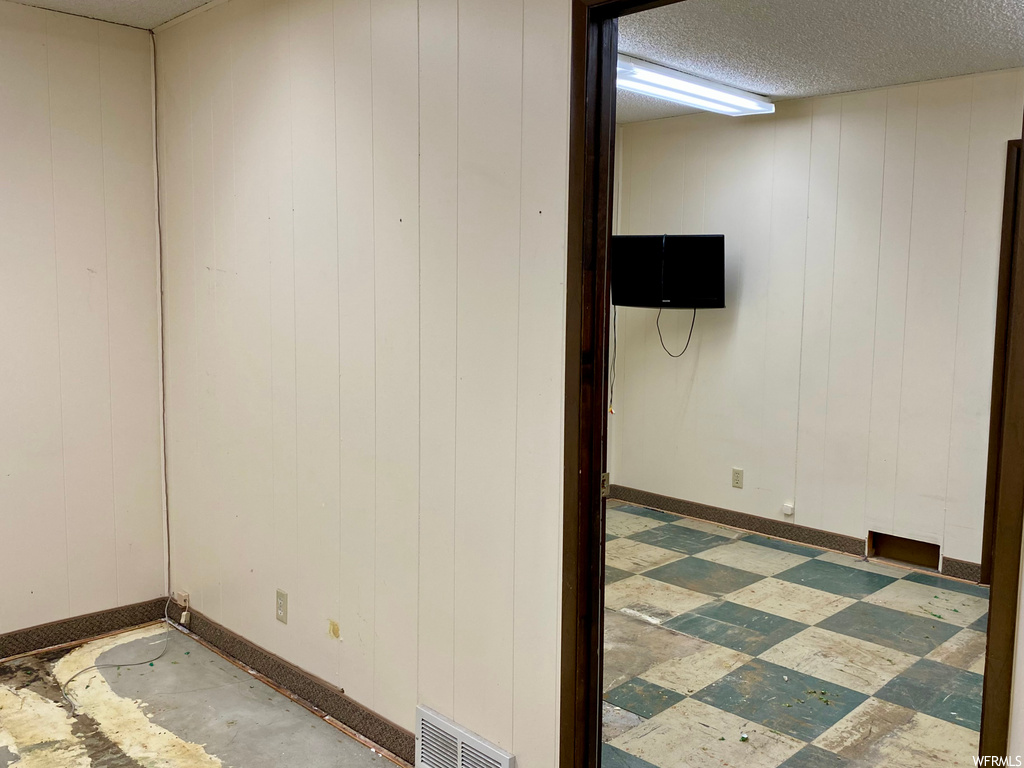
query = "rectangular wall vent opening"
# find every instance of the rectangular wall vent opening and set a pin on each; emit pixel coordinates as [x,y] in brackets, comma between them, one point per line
[920,554]
[441,743]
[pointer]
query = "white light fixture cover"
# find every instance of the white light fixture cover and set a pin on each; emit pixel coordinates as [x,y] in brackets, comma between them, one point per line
[663,83]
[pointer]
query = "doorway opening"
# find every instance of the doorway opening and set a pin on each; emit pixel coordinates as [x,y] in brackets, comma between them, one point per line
[717,595]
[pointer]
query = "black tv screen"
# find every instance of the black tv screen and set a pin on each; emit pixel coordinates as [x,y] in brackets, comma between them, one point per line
[668,271]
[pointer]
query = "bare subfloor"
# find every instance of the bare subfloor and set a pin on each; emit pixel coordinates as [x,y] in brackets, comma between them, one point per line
[724,648]
[189,709]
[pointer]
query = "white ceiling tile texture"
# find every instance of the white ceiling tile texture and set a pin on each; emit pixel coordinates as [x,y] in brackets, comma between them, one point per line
[799,48]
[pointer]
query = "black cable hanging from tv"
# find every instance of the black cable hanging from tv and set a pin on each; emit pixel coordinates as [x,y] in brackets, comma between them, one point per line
[689,336]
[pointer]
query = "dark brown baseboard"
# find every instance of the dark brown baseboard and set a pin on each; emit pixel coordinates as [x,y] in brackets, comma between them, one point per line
[309,689]
[780,529]
[961,569]
[80,628]
[777,528]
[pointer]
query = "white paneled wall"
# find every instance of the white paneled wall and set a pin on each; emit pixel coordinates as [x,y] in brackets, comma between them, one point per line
[81,501]
[364,218]
[851,371]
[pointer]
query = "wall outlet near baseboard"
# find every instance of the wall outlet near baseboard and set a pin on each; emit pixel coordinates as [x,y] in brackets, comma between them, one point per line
[787,509]
[282,606]
[737,477]
[179,597]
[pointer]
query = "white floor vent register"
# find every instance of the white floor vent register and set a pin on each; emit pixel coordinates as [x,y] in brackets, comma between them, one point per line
[440,743]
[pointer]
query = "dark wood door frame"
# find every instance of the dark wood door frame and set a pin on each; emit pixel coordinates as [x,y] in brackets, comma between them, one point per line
[592,143]
[1005,488]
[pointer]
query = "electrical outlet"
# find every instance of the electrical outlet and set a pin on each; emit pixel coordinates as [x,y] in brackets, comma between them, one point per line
[282,606]
[180,597]
[737,478]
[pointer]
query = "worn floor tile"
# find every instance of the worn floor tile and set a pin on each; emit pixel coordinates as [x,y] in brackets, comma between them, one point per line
[632,646]
[695,735]
[619,523]
[798,705]
[879,733]
[944,692]
[643,697]
[679,538]
[815,757]
[753,558]
[635,556]
[837,579]
[652,600]
[650,514]
[735,626]
[613,757]
[924,600]
[703,576]
[951,585]
[965,650]
[894,629]
[794,601]
[706,527]
[612,574]
[616,721]
[840,659]
[698,670]
[871,566]
[782,545]
[981,623]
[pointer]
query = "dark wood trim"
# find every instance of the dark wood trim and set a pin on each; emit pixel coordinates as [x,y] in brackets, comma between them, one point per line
[79,629]
[780,529]
[1006,475]
[592,142]
[999,355]
[591,147]
[309,690]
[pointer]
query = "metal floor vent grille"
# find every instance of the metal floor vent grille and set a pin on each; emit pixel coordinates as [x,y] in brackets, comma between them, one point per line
[440,743]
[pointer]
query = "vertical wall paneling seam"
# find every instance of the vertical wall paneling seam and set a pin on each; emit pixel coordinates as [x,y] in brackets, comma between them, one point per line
[419,337]
[803,303]
[455,426]
[106,280]
[56,297]
[874,324]
[339,579]
[906,297]
[270,310]
[519,320]
[159,326]
[373,272]
[768,291]
[956,327]
[419,332]
[295,315]
[195,275]
[831,308]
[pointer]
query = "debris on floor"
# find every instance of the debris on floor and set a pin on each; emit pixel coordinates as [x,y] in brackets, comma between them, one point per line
[740,649]
[189,709]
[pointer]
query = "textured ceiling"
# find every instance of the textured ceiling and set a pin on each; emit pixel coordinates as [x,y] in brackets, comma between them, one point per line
[794,48]
[145,14]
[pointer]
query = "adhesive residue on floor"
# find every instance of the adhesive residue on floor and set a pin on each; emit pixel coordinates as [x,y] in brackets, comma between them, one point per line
[190,708]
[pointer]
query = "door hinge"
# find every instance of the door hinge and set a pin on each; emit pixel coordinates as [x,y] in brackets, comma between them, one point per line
[606,485]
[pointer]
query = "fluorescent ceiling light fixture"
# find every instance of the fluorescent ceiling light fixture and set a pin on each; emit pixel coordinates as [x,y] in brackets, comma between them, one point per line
[668,84]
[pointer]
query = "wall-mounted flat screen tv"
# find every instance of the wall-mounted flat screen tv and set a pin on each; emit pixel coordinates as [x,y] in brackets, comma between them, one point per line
[668,271]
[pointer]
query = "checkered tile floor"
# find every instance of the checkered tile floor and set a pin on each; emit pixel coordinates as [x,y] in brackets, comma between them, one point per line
[817,658]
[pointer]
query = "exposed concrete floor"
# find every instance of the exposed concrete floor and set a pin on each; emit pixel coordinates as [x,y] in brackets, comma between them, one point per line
[190,709]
